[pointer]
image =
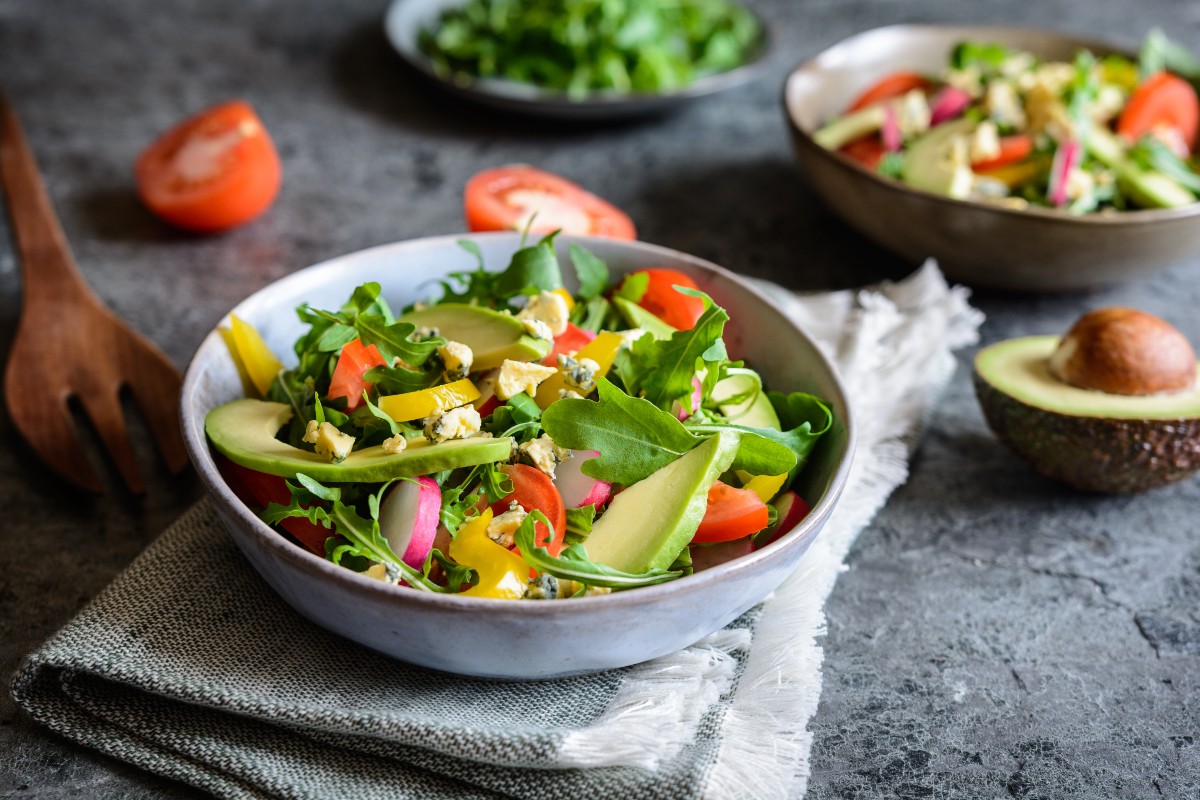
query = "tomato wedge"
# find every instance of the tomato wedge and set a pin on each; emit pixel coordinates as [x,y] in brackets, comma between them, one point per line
[1162,101]
[507,198]
[348,380]
[678,310]
[258,490]
[533,489]
[572,340]
[731,514]
[894,85]
[1012,149]
[213,171]
[868,152]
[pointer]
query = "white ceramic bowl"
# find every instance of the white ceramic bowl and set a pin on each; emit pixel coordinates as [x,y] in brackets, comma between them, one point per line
[498,638]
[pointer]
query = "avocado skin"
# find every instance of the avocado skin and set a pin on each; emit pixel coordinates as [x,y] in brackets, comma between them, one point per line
[1094,454]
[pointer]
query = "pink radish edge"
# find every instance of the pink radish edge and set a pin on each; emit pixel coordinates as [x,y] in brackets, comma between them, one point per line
[682,413]
[890,133]
[579,490]
[1066,157]
[408,519]
[947,104]
[792,509]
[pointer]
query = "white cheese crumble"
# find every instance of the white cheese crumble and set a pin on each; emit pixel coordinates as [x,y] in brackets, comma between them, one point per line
[913,114]
[543,454]
[394,445]
[502,527]
[456,359]
[569,394]
[579,374]
[521,376]
[1003,105]
[985,142]
[630,336]
[457,423]
[330,443]
[537,329]
[550,308]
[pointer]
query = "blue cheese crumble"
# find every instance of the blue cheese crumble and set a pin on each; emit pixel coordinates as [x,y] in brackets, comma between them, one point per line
[550,308]
[457,423]
[579,375]
[456,360]
[543,454]
[330,443]
[521,376]
[502,527]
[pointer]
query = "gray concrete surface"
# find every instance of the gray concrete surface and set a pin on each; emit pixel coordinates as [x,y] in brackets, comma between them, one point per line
[995,635]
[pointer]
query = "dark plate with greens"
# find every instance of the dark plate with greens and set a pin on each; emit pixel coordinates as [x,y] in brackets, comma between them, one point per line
[582,59]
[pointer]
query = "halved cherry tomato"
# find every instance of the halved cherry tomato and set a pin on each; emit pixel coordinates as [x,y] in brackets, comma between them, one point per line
[213,171]
[348,380]
[731,514]
[258,490]
[678,310]
[868,151]
[894,85]
[1162,101]
[571,340]
[533,489]
[1012,149]
[506,198]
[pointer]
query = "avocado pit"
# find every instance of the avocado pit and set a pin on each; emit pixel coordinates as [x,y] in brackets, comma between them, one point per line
[1112,406]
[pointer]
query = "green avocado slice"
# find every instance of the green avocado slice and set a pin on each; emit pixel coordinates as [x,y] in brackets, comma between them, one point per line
[639,317]
[928,166]
[493,336]
[244,432]
[647,525]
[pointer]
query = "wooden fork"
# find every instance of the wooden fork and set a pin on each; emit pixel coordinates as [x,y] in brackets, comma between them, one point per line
[69,345]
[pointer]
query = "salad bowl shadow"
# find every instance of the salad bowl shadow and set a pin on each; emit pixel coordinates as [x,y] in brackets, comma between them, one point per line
[978,243]
[501,638]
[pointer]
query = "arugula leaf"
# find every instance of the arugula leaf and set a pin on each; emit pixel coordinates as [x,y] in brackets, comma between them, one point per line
[633,287]
[579,521]
[532,269]
[1152,153]
[398,380]
[457,575]
[457,506]
[591,272]
[987,57]
[573,563]
[891,165]
[762,451]
[633,436]
[393,340]
[1159,53]
[594,314]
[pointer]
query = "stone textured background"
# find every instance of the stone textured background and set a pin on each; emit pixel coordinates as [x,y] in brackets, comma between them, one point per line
[995,635]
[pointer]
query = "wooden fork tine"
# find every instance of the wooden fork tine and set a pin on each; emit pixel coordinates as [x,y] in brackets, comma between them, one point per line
[155,385]
[108,420]
[49,428]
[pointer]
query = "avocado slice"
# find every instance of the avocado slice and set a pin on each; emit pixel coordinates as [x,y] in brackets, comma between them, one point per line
[755,410]
[647,525]
[856,125]
[638,317]
[493,336]
[244,432]
[1146,187]
[1095,441]
[928,164]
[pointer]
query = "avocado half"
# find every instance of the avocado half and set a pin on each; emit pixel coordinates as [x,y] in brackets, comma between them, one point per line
[1094,441]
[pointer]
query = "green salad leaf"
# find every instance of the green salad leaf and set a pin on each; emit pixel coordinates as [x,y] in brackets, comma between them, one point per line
[573,563]
[591,272]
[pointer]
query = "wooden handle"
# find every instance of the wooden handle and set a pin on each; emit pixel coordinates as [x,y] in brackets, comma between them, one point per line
[47,269]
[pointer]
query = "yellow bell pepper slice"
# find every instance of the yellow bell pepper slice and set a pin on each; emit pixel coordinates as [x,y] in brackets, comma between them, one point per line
[255,360]
[603,349]
[565,295]
[502,572]
[427,402]
[765,486]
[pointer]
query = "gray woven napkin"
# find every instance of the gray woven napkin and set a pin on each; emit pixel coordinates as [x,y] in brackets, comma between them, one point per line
[189,666]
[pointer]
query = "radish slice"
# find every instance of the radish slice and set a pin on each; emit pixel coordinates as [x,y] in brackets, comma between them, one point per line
[682,413]
[1066,158]
[948,104]
[890,133]
[579,490]
[408,519]
[792,509]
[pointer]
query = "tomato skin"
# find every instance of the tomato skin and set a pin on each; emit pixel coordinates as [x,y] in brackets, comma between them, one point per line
[486,205]
[894,85]
[258,490]
[1162,100]
[348,380]
[1013,149]
[680,311]
[235,170]
[731,514]
[868,151]
[569,341]
[533,489]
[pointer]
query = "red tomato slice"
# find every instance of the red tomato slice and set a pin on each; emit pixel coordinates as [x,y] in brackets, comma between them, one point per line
[1012,149]
[258,490]
[533,489]
[731,514]
[213,171]
[894,85]
[868,152]
[505,198]
[1162,101]
[348,381]
[569,341]
[678,310]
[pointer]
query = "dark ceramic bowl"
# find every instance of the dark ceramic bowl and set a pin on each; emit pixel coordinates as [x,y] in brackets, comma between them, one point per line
[976,243]
[407,18]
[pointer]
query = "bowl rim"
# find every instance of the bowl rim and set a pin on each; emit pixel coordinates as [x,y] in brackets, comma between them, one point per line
[812,66]
[530,97]
[317,568]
